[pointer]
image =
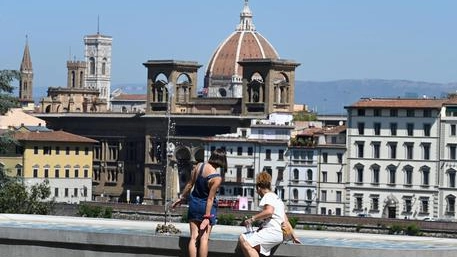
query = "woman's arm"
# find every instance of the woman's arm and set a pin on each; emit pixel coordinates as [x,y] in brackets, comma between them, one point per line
[190,183]
[293,236]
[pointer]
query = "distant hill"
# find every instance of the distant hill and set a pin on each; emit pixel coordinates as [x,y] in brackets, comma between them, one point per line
[331,97]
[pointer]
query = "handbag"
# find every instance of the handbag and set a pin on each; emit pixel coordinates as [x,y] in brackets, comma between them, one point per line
[287,231]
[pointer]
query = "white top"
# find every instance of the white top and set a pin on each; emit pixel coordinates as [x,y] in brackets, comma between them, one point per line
[273,200]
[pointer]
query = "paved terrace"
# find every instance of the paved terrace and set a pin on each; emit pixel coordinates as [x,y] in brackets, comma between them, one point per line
[49,236]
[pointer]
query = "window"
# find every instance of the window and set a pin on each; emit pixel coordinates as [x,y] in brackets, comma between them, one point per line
[57,150]
[427,113]
[268,154]
[35,150]
[67,173]
[375,172]
[340,157]
[76,173]
[280,174]
[295,195]
[409,150]
[393,112]
[410,129]
[377,112]
[392,174]
[239,150]
[425,176]
[339,177]
[250,151]
[408,175]
[86,150]
[92,66]
[46,173]
[408,205]
[296,174]
[360,149]
[409,113]
[56,192]
[75,192]
[427,128]
[46,150]
[77,150]
[67,150]
[66,192]
[451,175]
[450,208]
[309,175]
[377,128]
[323,210]
[324,176]
[86,173]
[250,173]
[358,203]
[339,197]
[393,129]
[374,203]
[360,112]
[309,195]
[281,155]
[35,173]
[376,149]
[361,128]
[426,151]
[453,130]
[56,173]
[392,149]
[324,195]
[324,157]
[452,152]
[359,170]
[424,205]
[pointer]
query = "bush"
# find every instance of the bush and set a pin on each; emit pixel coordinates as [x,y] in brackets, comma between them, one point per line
[413,230]
[226,219]
[395,229]
[85,210]
[293,221]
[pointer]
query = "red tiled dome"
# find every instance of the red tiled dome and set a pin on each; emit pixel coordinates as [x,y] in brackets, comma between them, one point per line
[244,43]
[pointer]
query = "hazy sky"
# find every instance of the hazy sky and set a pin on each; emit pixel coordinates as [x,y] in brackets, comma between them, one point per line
[332,39]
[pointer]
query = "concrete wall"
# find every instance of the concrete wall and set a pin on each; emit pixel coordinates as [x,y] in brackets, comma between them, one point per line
[25,242]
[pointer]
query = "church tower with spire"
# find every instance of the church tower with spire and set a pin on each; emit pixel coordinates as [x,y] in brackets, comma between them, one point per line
[26,78]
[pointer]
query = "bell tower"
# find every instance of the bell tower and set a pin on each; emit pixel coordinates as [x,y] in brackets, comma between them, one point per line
[26,77]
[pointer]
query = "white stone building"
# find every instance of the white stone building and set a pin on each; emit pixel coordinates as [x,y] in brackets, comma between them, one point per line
[393,158]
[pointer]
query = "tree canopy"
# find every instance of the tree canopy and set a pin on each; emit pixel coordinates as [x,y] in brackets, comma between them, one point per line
[16,197]
[7,100]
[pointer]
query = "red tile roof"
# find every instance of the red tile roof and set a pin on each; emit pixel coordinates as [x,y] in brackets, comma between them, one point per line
[130,97]
[52,136]
[398,103]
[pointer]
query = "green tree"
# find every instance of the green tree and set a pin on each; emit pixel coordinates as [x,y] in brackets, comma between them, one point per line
[15,197]
[7,100]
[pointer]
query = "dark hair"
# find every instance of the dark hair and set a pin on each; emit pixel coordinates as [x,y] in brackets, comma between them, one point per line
[218,158]
[263,180]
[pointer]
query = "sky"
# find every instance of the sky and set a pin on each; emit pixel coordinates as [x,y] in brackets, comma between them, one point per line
[331,39]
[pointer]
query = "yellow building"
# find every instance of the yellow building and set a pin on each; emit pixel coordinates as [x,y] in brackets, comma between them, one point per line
[64,159]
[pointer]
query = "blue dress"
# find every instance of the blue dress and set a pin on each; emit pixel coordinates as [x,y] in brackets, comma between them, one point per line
[198,198]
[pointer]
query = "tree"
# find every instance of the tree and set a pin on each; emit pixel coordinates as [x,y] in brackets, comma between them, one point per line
[15,197]
[7,100]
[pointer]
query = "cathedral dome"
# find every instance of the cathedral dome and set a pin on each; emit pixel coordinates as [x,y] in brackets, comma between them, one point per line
[244,43]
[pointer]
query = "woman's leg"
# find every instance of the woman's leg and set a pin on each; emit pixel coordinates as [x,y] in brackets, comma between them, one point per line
[204,237]
[248,250]
[194,227]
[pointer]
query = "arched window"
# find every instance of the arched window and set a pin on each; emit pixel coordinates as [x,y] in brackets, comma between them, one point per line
[450,208]
[309,195]
[309,175]
[104,66]
[92,66]
[295,194]
[296,177]
[451,176]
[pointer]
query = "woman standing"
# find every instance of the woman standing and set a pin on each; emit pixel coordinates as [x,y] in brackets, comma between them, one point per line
[273,214]
[205,181]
